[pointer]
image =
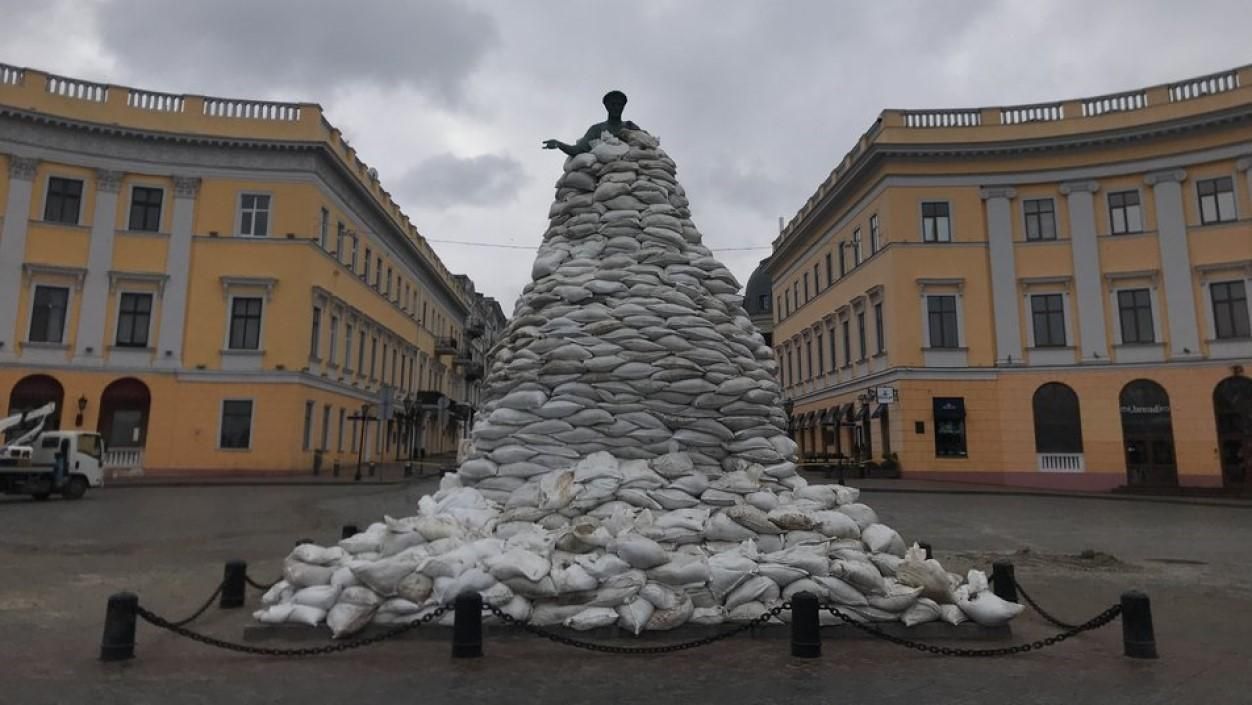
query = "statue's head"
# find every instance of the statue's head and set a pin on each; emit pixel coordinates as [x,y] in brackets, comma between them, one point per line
[615,102]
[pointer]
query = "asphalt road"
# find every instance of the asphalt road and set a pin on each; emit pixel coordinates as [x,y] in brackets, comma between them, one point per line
[62,560]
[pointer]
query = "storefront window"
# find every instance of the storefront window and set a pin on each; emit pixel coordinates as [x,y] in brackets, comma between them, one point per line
[950,427]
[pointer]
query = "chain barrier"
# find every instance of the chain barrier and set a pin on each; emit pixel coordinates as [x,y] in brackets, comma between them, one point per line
[1042,613]
[207,603]
[637,650]
[260,586]
[162,623]
[1096,622]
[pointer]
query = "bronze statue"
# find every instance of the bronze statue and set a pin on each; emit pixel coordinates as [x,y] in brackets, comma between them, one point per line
[614,102]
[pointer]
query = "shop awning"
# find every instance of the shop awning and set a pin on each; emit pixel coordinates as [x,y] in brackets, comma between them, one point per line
[951,408]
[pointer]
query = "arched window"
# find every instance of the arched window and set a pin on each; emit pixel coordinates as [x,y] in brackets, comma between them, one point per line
[33,392]
[1058,425]
[1148,435]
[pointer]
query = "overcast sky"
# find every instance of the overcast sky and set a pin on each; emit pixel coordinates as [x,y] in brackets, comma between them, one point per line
[755,101]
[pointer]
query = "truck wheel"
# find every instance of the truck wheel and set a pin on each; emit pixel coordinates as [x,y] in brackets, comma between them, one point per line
[75,488]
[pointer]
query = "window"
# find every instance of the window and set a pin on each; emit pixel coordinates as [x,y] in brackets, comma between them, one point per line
[763,301]
[821,361]
[808,352]
[341,238]
[245,323]
[806,287]
[394,352]
[1058,426]
[315,342]
[236,431]
[424,311]
[856,247]
[389,282]
[382,373]
[323,229]
[791,370]
[347,347]
[936,223]
[949,415]
[134,313]
[795,292]
[373,355]
[880,341]
[308,426]
[145,208]
[1047,312]
[65,198]
[378,273]
[1217,200]
[843,259]
[254,214]
[875,236]
[1125,215]
[1230,309]
[366,276]
[1134,308]
[847,343]
[334,340]
[354,246]
[325,444]
[47,317]
[787,297]
[360,357]
[339,436]
[1040,219]
[834,359]
[941,311]
[830,275]
[860,331]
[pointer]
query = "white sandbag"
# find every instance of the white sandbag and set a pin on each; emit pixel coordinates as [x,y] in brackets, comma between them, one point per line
[765,501]
[792,518]
[768,543]
[952,614]
[836,524]
[922,611]
[860,513]
[840,591]
[394,543]
[317,555]
[591,618]
[557,489]
[274,614]
[976,581]
[753,518]
[603,565]
[886,563]
[722,528]
[617,589]
[757,588]
[747,612]
[383,575]
[588,531]
[640,552]
[369,540]
[633,616]
[811,559]
[298,574]
[694,484]
[320,596]
[472,580]
[863,576]
[692,519]
[433,528]
[927,574]
[532,589]
[708,615]
[664,620]
[415,587]
[672,465]
[280,591]
[808,585]
[670,498]
[398,606]
[989,609]
[681,570]
[720,498]
[517,563]
[572,578]
[546,614]
[727,570]
[346,619]
[781,574]
[898,597]
[881,538]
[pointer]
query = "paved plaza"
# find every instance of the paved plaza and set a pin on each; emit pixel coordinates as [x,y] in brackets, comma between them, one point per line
[169,544]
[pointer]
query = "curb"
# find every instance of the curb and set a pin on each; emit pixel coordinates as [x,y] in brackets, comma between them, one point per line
[265,483]
[1195,502]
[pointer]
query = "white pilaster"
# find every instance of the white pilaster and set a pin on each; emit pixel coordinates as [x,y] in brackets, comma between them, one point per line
[1003,274]
[1171,226]
[13,250]
[89,343]
[178,268]
[1086,253]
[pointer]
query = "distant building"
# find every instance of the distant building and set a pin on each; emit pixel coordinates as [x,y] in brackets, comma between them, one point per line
[758,298]
[216,284]
[1051,295]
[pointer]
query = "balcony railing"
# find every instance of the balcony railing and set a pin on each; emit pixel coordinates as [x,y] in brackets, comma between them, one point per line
[78,89]
[1204,85]
[158,102]
[1060,462]
[11,75]
[251,109]
[445,346]
[123,461]
[1114,103]
[1042,112]
[474,328]
[942,118]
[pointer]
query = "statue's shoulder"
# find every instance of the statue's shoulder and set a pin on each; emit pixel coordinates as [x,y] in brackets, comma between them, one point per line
[630,125]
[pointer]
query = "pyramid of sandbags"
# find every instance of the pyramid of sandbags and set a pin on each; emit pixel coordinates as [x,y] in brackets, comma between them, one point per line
[629,465]
[631,338]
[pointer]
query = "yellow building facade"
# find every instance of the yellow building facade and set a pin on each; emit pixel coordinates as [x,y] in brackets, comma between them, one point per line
[1051,295]
[219,284]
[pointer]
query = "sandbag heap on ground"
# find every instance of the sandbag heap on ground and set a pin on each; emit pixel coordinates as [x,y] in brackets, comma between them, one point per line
[629,464]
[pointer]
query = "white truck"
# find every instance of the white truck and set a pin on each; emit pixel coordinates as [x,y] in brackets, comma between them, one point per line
[40,463]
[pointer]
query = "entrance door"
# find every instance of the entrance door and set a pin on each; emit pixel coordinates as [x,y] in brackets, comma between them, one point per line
[1148,435]
[1232,405]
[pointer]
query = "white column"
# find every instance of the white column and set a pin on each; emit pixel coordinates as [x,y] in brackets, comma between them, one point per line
[90,340]
[1003,274]
[13,250]
[1171,227]
[1086,253]
[178,267]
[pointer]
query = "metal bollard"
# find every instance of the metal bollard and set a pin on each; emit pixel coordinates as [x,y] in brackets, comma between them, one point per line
[1003,582]
[234,584]
[1138,637]
[408,469]
[118,641]
[926,547]
[348,530]
[334,468]
[806,630]
[373,467]
[467,627]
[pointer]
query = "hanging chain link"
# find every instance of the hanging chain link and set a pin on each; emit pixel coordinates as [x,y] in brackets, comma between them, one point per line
[205,606]
[260,586]
[638,650]
[1096,622]
[158,621]
[1042,613]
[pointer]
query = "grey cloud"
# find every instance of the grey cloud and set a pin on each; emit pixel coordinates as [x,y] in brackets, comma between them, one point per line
[445,180]
[298,49]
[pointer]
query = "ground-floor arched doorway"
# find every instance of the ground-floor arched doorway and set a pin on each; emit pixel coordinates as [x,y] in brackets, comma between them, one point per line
[124,409]
[33,392]
[1232,407]
[1148,435]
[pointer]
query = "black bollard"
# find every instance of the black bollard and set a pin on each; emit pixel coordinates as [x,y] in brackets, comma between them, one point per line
[926,547]
[1138,637]
[334,468]
[1003,582]
[373,468]
[806,630]
[348,530]
[118,641]
[408,469]
[234,583]
[467,627]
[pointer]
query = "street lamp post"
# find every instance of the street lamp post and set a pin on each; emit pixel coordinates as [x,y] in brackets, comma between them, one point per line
[364,417]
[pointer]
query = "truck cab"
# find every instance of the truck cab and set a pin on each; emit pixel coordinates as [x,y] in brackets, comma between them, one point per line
[35,472]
